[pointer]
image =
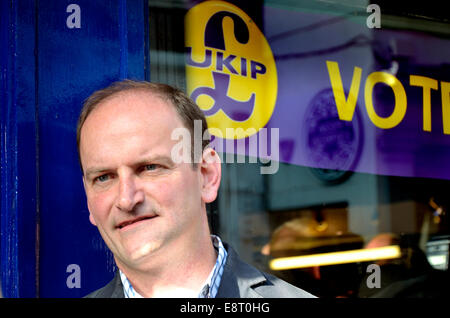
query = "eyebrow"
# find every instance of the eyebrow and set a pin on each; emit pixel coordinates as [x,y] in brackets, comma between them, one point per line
[91,171]
[146,160]
[158,159]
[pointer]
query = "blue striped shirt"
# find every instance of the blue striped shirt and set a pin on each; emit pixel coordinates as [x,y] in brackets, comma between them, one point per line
[212,283]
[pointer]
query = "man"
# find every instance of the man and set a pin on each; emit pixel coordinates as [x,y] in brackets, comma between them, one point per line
[151,209]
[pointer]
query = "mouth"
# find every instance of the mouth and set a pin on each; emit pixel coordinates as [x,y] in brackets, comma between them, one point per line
[123,224]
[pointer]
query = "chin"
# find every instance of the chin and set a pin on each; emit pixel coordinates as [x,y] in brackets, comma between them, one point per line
[139,253]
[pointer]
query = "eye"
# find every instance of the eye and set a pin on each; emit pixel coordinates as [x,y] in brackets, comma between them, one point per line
[102,178]
[151,167]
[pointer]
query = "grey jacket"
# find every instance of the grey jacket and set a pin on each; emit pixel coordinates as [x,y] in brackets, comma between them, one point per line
[239,280]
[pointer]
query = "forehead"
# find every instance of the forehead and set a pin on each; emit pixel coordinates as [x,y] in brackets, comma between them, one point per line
[132,102]
[128,119]
[137,106]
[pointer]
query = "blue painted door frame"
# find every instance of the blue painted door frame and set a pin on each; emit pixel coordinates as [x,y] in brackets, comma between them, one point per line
[47,69]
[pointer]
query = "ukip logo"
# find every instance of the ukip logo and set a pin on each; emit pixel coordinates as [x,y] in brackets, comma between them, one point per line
[230,68]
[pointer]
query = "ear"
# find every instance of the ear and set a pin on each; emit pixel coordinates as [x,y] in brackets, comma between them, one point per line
[211,172]
[91,218]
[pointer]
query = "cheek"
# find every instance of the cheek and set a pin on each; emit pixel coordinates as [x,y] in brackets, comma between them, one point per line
[178,193]
[164,194]
[99,206]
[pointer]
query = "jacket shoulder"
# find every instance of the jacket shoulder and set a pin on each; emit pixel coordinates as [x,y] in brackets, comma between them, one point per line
[113,289]
[243,280]
[275,287]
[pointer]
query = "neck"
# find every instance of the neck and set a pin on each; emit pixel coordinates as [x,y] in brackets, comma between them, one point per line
[165,275]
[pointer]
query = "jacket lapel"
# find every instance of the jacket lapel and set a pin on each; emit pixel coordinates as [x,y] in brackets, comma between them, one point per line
[239,279]
[114,289]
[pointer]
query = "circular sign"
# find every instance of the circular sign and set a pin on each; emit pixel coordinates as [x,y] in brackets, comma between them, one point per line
[333,146]
[230,69]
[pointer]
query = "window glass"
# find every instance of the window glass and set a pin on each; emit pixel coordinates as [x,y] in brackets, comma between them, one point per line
[336,164]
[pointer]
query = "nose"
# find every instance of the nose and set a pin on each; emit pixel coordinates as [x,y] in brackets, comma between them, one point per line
[130,194]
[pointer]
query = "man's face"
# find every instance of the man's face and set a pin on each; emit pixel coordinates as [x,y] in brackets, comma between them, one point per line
[140,200]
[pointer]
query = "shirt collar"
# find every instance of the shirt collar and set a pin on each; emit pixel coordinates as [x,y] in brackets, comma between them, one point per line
[211,285]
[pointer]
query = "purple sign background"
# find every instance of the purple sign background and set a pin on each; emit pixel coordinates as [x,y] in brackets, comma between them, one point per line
[311,134]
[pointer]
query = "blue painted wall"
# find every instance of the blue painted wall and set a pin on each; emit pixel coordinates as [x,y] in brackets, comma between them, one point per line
[47,70]
[18,152]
